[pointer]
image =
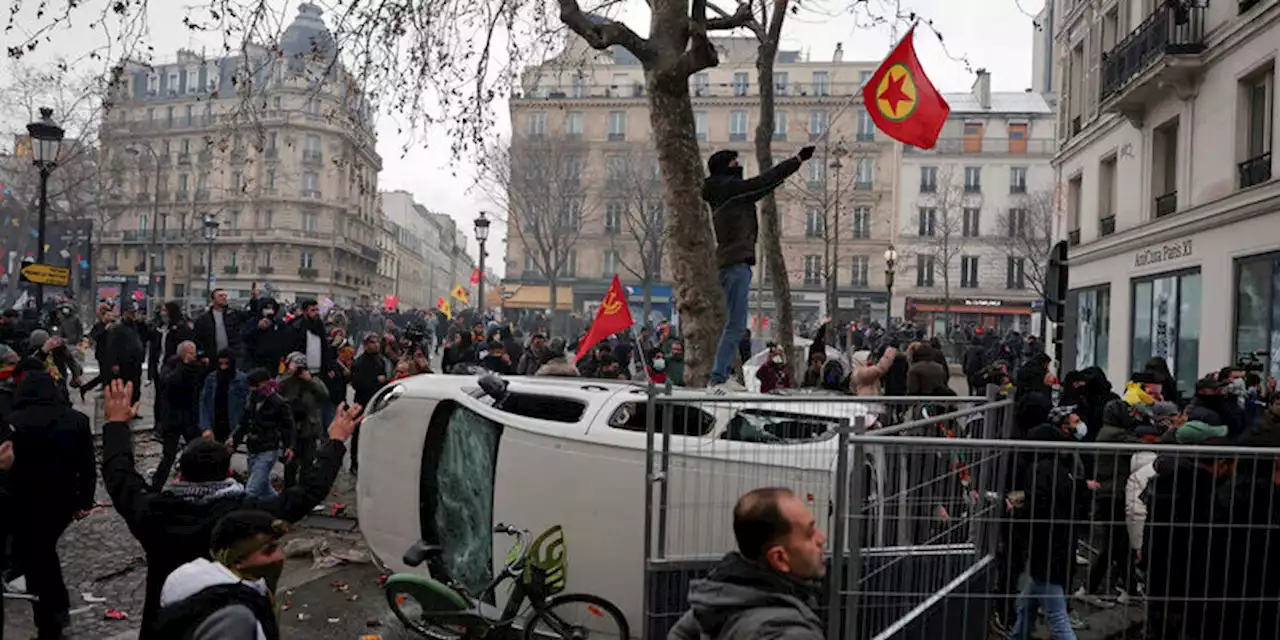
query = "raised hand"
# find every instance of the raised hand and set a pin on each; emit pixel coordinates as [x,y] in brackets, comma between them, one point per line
[345,421]
[119,405]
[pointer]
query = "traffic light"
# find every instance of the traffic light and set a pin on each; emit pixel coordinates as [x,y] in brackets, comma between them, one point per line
[1055,286]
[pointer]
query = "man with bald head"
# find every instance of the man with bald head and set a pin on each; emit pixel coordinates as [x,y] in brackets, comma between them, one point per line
[181,379]
[767,588]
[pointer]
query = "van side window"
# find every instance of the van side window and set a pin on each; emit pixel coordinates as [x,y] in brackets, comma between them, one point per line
[553,408]
[686,420]
[764,426]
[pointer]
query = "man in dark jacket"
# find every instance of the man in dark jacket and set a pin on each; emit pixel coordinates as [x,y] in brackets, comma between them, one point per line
[368,373]
[266,337]
[305,393]
[123,349]
[223,396]
[220,327]
[973,363]
[171,329]
[733,214]
[174,526]
[768,587]
[51,483]
[1056,494]
[181,379]
[266,429]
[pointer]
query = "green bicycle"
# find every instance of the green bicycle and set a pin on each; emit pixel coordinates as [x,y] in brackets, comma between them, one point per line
[436,606]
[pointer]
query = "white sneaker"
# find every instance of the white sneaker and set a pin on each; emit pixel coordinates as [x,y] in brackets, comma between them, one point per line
[729,386]
[1084,596]
[1077,623]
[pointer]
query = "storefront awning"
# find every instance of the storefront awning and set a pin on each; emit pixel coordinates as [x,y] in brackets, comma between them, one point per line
[986,311]
[536,296]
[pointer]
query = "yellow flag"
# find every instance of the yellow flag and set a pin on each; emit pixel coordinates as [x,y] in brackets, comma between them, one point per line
[445,308]
[460,294]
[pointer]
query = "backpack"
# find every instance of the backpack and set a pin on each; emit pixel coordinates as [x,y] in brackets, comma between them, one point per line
[180,619]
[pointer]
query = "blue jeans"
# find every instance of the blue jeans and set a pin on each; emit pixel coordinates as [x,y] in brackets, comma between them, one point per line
[1050,597]
[260,464]
[736,283]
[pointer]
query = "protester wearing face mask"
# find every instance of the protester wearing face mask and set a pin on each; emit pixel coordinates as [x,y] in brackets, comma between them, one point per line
[657,366]
[774,374]
[1214,404]
[223,397]
[233,595]
[267,339]
[1056,495]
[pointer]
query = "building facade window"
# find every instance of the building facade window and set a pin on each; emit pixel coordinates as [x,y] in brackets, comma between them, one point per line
[610,262]
[973,179]
[866,126]
[968,272]
[573,124]
[741,83]
[861,222]
[818,119]
[1257,325]
[617,125]
[970,222]
[737,126]
[1087,326]
[813,270]
[860,270]
[1166,325]
[780,80]
[928,223]
[1015,273]
[780,125]
[924,270]
[700,124]
[821,83]
[1017,180]
[928,179]
[813,222]
[536,124]
[612,217]
[1258,104]
[817,173]
[865,174]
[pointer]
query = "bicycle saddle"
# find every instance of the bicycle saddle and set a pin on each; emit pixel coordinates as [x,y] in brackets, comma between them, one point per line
[421,552]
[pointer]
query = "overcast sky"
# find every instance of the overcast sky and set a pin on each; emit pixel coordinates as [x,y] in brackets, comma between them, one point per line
[992,34]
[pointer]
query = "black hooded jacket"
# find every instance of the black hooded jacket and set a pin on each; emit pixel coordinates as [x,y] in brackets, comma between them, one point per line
[166,338]
[733,205]
[743,600]
[54,470]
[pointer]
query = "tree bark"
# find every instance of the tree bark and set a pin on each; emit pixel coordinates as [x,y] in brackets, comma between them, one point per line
[690,241]
[770,225]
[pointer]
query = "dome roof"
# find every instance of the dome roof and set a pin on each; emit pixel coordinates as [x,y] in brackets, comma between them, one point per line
[307,34]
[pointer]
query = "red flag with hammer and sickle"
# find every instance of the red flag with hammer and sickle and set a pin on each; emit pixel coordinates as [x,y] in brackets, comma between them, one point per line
[613,316]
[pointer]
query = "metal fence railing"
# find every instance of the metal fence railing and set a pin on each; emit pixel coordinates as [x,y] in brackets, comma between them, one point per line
[944,525]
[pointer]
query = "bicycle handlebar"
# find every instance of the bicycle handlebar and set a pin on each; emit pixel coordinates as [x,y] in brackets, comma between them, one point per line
[521,536]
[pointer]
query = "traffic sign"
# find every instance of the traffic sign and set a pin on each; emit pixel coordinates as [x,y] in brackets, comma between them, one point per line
[46,274]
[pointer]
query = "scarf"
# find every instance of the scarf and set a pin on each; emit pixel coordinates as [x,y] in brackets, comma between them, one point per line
[268,388]
[200,492]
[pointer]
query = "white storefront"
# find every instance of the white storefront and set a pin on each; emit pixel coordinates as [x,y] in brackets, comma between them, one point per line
[1198,289]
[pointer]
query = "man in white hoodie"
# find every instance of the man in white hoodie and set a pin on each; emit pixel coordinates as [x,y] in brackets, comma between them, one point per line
[230,596]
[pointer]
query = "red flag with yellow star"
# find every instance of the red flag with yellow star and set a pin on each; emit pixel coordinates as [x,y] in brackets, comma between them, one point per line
[901,100]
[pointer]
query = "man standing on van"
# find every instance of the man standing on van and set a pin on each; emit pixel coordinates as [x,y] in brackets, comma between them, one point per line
[768,588]
[733,213]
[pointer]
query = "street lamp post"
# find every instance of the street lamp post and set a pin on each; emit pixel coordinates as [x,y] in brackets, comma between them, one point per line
[155,225]
[46,138]
[210,234]
[890,261]
[482,234]
[834,268]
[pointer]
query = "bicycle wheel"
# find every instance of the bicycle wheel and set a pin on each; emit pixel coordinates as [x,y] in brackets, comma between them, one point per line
[577,616]
[419,608]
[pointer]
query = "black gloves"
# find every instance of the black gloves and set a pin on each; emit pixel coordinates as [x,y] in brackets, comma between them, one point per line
[805,153]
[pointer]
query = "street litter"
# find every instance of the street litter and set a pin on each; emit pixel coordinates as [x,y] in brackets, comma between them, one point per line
[340,585]
[336,508]
[334,620]
[354,597]
[372,621]
[371,636]
[92,599]
[326,558]
[115,614]
[303,617]
[299,547]
[79,610]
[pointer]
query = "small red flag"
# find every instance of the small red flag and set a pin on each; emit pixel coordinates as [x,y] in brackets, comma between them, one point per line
[475,276]
[901,100]
[613,316]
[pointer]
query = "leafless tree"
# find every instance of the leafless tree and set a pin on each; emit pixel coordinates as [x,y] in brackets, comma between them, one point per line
[1026,234]
[828,197]
[938,231]
[542,187]
[634,187]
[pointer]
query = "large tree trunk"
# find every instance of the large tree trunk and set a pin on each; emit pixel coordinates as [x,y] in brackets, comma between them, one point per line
[690,241]
[770,226]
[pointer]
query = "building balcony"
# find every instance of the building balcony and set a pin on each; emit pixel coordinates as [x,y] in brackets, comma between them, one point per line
[1166,204]
[238,156]
[1162,53]
[272,153]
[1106,225]
[266,269]
[725,90]
[989,146]
[863,185]
[1255,170]
[311,194]
[868,136]
[308,273]
[928,187]
[181,196]
[312,157]
[202,195]
[143,196]
[973,188]
[231,269]
[184,159]
[1073,237]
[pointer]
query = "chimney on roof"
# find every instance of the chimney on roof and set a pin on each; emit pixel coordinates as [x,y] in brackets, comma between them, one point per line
[839,54]
[982,88]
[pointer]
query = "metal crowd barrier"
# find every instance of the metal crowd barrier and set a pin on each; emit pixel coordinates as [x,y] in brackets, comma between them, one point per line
[937,524]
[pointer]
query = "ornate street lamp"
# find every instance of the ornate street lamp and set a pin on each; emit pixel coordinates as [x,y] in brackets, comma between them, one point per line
[46,143]
[210,234]
[482,234]
[890,262]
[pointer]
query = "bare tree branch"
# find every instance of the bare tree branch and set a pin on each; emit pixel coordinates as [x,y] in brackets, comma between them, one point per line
[943,239]
[1026,233]
[602,33]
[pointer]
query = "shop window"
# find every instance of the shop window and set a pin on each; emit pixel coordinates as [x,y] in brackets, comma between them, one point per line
[1088,327]
[1166,325]
[1257,325]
